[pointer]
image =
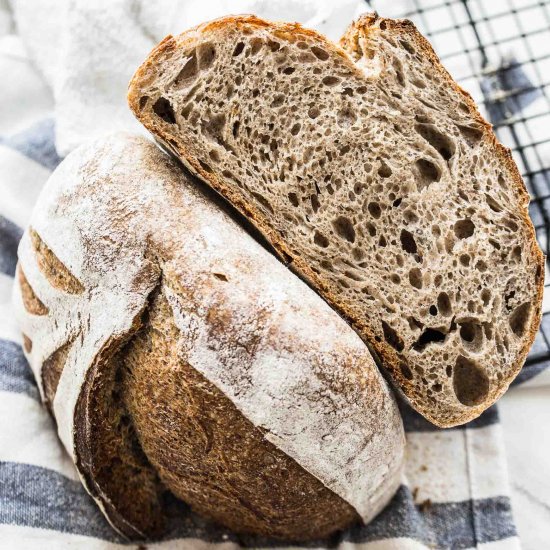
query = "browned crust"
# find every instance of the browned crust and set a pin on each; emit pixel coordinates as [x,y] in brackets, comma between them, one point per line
[290,31]
[213,457]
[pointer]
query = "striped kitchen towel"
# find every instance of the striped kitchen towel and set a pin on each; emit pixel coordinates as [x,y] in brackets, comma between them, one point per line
[455,491]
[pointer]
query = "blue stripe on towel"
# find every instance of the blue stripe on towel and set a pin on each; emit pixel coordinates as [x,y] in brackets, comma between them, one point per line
[38,497]
[15,374]
[36,142]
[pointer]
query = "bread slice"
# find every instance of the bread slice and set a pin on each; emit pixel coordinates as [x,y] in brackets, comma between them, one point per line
[177,354]
[375,179]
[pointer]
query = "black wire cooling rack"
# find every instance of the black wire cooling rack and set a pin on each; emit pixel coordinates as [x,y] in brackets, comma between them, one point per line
[499,51]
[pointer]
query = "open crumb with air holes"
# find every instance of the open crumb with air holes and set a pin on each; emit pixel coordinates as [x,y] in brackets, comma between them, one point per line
[374,176]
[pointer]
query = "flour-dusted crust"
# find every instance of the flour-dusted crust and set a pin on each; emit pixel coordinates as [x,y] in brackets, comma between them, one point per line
[118,227]
[330,153]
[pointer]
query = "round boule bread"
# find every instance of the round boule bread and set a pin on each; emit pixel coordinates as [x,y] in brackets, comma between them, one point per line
[176,354]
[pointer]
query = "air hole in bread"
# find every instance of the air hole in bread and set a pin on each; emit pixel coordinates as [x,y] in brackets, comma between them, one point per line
[516,254]
[188,72]
[273,45]
[408,244]
[444,304]
[471,134]
[374,210]
[471,335]
[315,204]
[433,310]
[238,49]
[31,301]
[494,244]
[221,277]
[406,45]
[330,80]
[295,130]
[415,277]
[235,128]
[384,171]
[143,101]
[426,173]
[213,128]
[391,337]
[313,112]
[278,100]
[415,324]
[464,228]
[410,217]
[418,83]
[470,383]
[187,110]
[206,54]
[255,45]
[440,142]
[406,371]
[429,336]
[346,117]
[399,73]
[481,266]
[163,110]
[510,224]
[293,198]
[493,204]
[319,53]
[263,201]
[344,228]
[206,167]
[519,320]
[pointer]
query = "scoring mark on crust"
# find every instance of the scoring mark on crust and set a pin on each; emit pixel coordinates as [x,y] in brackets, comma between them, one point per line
[27,343]
[31,301]
[51,372]
[53,269]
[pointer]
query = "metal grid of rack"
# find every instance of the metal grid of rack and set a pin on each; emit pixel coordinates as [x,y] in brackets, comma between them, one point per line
[500,53]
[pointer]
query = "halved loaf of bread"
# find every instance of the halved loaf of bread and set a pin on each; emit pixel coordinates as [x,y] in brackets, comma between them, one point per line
[375,179]
[179,355]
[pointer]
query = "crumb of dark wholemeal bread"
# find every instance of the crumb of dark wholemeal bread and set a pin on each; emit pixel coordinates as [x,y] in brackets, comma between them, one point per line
[396,243]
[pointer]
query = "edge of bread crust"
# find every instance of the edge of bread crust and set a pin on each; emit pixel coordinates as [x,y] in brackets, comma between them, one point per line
[145,73]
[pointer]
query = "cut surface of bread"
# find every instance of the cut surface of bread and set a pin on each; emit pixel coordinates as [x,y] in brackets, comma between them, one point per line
[375,178]
[177,354]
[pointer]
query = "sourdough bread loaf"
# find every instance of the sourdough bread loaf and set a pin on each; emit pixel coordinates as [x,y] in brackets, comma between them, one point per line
[376,180]
[177,354]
